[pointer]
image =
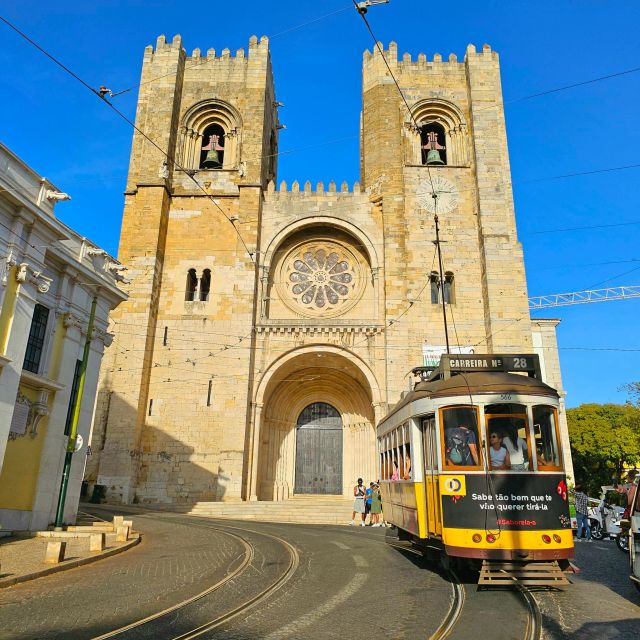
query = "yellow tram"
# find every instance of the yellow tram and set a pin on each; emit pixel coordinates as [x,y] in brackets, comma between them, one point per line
[471,462]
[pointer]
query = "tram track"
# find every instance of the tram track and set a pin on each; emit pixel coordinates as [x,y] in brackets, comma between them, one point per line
[451,625]
[167,617]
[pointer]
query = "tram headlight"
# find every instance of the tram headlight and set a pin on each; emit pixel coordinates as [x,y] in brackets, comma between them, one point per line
[476,537]
[557,538]
[546,539]
[491,538]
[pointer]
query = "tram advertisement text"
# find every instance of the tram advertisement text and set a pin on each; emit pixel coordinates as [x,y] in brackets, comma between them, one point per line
[509,501]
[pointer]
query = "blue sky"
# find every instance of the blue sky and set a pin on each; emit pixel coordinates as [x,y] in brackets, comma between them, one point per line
[69,136]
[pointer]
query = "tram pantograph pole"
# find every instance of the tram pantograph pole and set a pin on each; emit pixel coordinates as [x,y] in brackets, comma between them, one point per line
[442,296]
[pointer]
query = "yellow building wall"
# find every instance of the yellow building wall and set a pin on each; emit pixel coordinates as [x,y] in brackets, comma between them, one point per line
[19,475]
[8,309]
[21,467]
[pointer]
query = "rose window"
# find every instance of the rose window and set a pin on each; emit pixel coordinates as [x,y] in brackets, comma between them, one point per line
[322,277]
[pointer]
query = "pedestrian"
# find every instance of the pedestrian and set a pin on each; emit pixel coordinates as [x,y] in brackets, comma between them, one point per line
[376,506]
[367,503]
[358,504]
[582,513]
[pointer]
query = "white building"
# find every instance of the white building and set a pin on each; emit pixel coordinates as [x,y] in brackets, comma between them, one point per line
[48,277]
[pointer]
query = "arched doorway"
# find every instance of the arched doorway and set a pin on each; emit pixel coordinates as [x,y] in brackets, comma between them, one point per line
[318,374]
[318,467]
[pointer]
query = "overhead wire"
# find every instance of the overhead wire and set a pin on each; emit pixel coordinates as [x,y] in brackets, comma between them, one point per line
[170,162]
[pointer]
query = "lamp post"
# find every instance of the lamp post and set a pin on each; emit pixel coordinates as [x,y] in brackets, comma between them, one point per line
[73,431]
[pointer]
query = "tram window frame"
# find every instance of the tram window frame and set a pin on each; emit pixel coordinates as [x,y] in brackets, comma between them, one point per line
[450,466]
[524,414]
[556,431]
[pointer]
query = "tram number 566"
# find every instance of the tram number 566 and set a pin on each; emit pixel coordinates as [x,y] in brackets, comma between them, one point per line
[505,397]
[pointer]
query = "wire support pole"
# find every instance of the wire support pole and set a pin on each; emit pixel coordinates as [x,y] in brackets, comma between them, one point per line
[73,431]
[441,268]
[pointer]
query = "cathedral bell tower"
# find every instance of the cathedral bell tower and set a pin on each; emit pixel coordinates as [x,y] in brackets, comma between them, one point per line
[444,135]
[193,206]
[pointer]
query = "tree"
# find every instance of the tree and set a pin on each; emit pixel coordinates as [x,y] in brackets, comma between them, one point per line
[605,438]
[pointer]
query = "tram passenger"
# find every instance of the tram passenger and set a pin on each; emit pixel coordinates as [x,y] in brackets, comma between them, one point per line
[518,451]
[461,447]
[407,466]
[396,474]
[498,453]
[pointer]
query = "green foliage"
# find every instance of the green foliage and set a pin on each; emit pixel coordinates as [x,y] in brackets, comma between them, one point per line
[605,438]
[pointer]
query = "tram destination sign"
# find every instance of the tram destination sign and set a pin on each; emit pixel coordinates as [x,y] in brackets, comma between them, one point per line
[510,363]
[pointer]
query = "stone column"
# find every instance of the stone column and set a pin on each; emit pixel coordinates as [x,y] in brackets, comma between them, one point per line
[254,451]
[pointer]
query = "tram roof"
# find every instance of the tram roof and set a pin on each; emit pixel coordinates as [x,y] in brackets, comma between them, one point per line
[472,384]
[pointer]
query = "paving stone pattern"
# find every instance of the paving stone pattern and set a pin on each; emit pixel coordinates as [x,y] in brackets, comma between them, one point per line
[602,602]
[173,562]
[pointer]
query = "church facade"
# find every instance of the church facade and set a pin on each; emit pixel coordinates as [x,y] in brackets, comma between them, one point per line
[268,328]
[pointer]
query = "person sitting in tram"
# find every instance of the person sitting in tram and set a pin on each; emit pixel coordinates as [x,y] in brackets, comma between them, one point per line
[518,451]
[396,474]
[461,447]
[498,453]
[407,467]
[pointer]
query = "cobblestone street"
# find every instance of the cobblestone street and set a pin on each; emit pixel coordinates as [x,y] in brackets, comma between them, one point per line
[346,583]
[602,602]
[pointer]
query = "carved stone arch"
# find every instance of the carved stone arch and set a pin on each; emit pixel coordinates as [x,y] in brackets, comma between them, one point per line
[320,221]
[322,373]
[365,370]
[320,268]
[450,118]
[197,120]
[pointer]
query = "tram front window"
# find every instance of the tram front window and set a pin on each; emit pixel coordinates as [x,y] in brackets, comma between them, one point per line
[460,437]
[510,449]
[546,438]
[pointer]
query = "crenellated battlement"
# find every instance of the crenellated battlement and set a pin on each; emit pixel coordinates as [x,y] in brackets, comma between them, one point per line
[284,191]
[374,65]
[257,48]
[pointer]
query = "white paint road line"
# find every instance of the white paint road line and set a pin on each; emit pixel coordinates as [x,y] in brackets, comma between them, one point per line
[294,628]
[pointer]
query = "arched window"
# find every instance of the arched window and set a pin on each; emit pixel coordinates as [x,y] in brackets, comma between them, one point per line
[432,144]
[212,150]
[448,289]
[436,125]
[205,285]
[210,137]
[192,286]
[434,280]
[449,293]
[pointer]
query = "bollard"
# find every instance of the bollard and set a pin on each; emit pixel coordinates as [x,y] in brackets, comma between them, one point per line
[96,542]
[128,523]
[117,521]
[55,552]
[122,533]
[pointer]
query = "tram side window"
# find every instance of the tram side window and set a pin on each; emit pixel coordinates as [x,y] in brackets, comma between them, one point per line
[546,437]
[507,431]
[460,437]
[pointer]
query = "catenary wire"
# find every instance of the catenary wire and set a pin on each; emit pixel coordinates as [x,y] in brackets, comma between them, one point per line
[135,127]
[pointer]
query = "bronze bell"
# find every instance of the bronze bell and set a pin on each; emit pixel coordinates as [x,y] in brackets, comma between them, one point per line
[212,160]
[433,157]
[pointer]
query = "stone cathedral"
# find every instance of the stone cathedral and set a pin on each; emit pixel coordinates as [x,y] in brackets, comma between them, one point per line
[270,327]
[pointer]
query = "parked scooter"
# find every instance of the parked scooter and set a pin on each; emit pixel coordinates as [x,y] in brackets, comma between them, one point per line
[604,519]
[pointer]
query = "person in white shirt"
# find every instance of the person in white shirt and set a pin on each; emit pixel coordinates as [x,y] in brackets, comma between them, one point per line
[518,452]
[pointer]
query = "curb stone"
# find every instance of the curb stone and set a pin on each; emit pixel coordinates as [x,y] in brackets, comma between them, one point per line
[71,564]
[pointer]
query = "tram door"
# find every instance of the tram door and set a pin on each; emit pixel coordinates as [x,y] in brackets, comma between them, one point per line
[432,487]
